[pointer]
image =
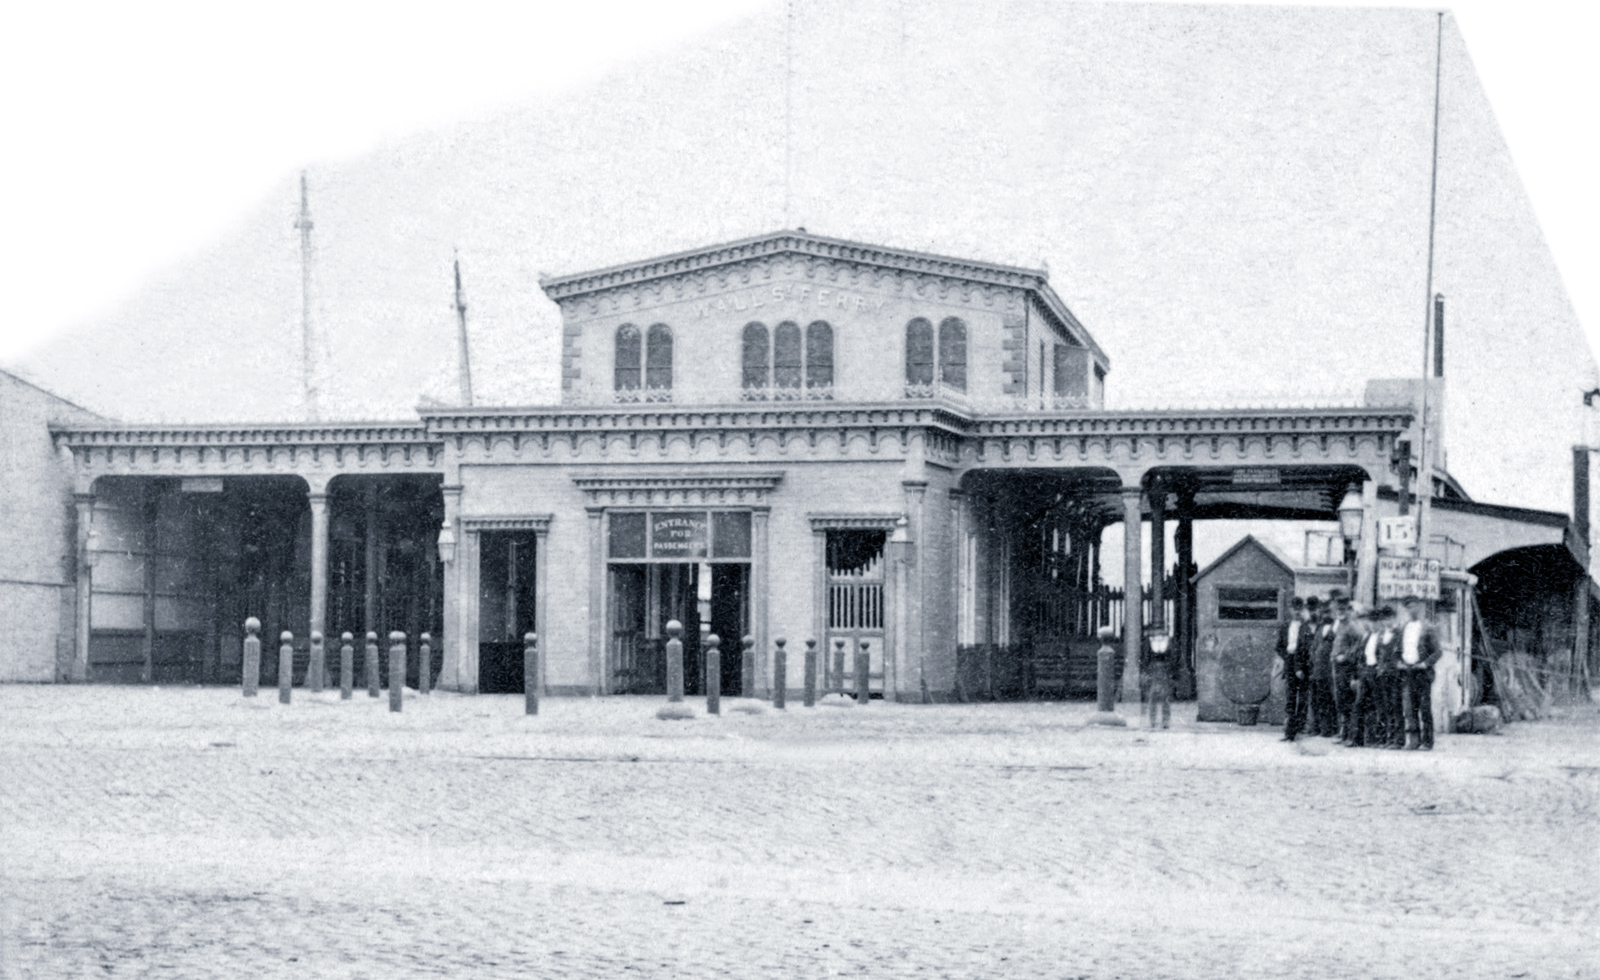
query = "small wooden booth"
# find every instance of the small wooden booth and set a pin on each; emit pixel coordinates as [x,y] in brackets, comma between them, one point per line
[1241,601]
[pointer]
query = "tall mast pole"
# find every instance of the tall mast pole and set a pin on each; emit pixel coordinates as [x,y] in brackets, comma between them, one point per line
[307,359]
[463,359]
[1425,467]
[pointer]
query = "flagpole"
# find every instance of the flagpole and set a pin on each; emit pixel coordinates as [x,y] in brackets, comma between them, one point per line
[464,361]
[307,359]
[1425,468]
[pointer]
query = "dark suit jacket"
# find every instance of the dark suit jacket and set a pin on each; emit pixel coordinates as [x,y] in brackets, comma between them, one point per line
[1298,662]
[1428,649]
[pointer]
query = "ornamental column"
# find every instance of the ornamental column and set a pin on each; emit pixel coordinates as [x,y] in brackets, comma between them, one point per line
[1132,592]
[318,498]
[1158,556]
[597,612]
[1367,560]
[912,673]
[449,545]
[755,679]
[79,672]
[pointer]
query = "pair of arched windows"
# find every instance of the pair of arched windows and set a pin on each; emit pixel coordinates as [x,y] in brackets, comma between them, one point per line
[643,361]
[934,360]
[783,360]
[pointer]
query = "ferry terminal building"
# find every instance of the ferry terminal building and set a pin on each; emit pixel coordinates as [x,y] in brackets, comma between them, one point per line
[786,436]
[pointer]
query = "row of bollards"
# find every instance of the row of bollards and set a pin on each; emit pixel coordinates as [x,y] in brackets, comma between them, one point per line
[316,670]
[780,671]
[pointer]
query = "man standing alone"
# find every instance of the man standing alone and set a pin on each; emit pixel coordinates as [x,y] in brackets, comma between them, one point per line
[1419,651]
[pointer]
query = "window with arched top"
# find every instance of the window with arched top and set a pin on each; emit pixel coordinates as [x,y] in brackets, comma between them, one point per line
[626,374]
[919,352]
[797,364]
[754,356]
[953,353]
[787,359]
[819,355]
[658,358]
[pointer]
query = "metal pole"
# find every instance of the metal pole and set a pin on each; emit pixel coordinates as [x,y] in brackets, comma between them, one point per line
[674,660]
[1425,466]
[374,679]
[863,674]
[713,674]
[318,664]
[347,666]
[285,666]
[252,656]
[397,669]
[780,675]
[811,674]
[530,673]
[425,664]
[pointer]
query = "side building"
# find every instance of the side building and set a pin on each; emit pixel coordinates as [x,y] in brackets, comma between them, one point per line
[39,602]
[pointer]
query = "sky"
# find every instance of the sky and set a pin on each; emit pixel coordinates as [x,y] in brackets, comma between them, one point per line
[138,135]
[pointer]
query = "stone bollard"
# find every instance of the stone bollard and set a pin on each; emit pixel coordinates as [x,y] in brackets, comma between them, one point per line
[674,660]
[347,665]
[285,666]
[373,677]
[811,674]
[747,667]
[425,664]
[863,675]
[530,673]
[252,656]
[1107,668]
[713,674]
[780,674]
[675,709]
[318,664]
[837,684]
[397,669]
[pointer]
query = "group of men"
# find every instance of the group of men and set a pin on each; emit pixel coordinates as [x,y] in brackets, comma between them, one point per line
[1366,680]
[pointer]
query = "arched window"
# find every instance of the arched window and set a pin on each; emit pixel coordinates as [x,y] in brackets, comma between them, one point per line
[658,358]
[953,353]
[787,365]
[819,355]
[626,374]
[755,356]
[919,352]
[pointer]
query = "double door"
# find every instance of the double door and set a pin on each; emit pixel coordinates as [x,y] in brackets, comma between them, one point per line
[705,597]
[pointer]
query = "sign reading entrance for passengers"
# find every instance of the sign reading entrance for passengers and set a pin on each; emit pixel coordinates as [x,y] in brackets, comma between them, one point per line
[1401,577]
[678,535]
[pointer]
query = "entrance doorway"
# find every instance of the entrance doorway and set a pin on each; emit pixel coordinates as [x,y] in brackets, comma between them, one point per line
[506,594]
[705,597]
[689,566]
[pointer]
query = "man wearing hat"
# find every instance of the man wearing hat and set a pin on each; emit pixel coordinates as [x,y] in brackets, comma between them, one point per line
[1365,716]
[1294,651]
[1156,664]
[1323,721]
[1391,724]
[1349,638]
[1419,651]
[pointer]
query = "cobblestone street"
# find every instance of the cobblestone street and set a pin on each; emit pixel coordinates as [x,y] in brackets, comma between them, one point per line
[190,833]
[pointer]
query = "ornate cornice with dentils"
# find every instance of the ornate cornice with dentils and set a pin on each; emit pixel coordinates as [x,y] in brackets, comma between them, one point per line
[655,489]
[560,288]
[245,448]
[538,523]
[854,522]
[1178,437]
